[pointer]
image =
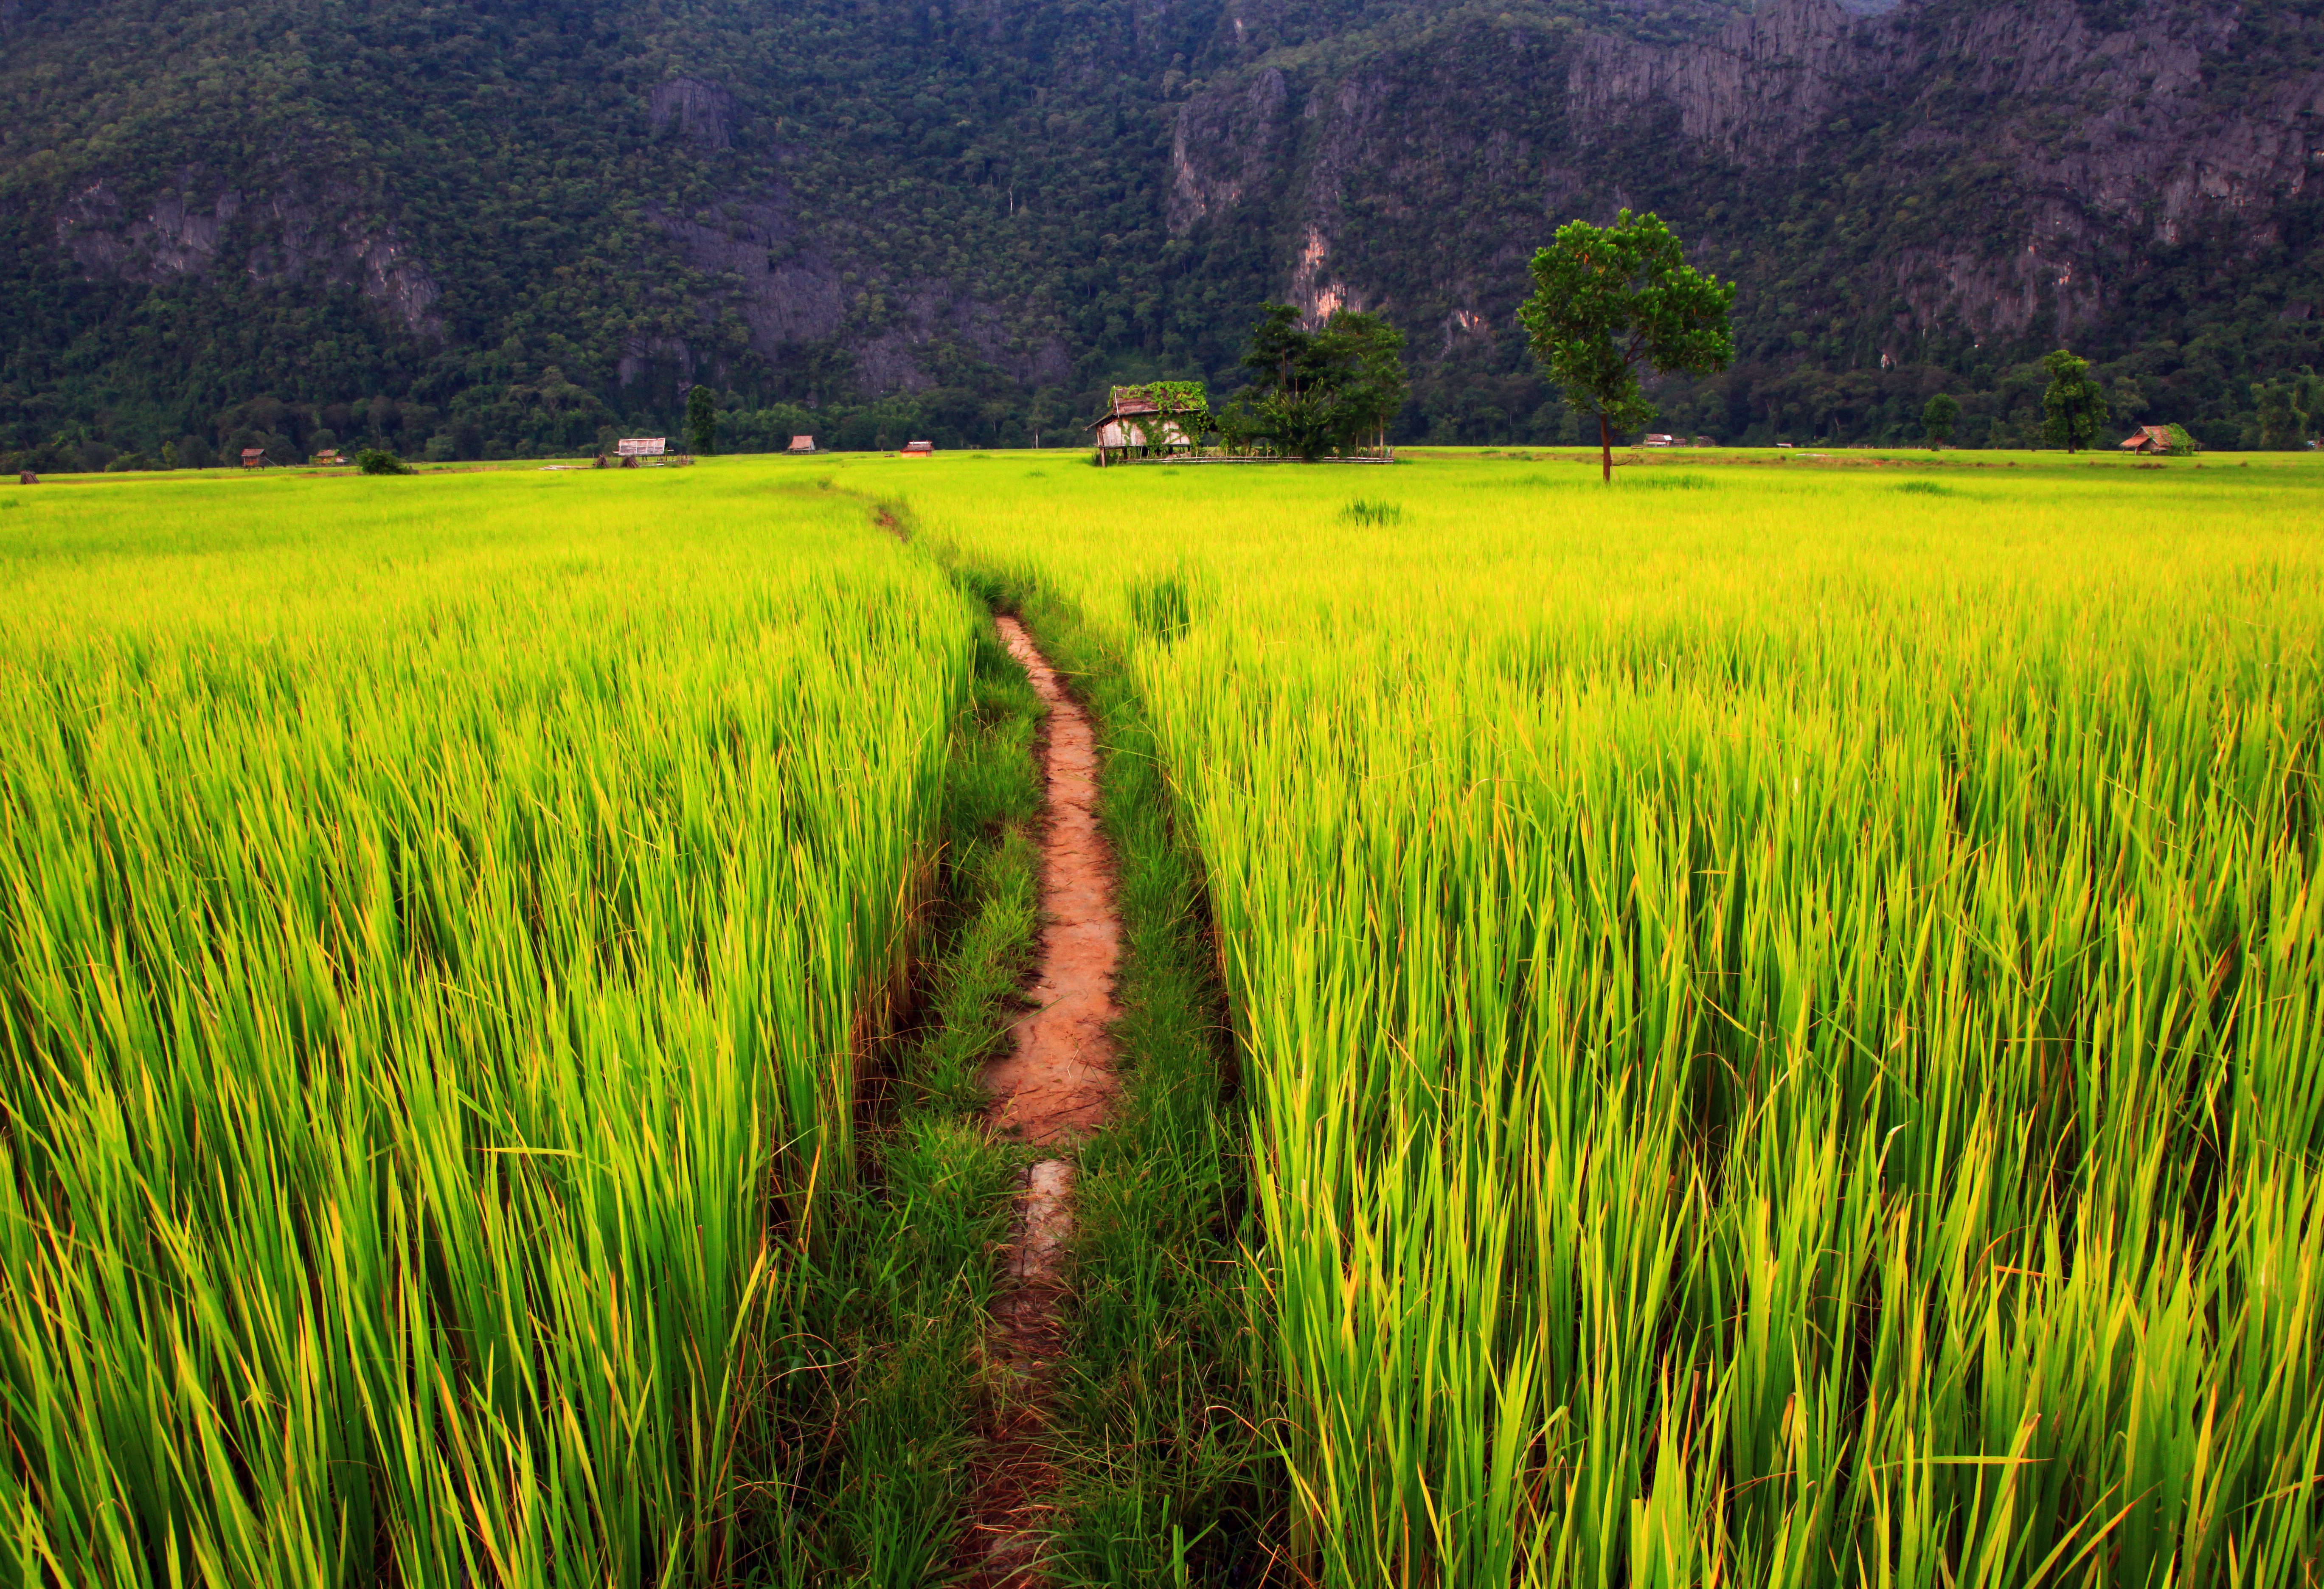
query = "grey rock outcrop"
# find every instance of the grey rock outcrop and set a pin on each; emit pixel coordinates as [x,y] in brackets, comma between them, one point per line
[291,231]
[703,110]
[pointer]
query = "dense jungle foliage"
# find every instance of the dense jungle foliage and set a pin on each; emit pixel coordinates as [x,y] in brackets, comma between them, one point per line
[507,227]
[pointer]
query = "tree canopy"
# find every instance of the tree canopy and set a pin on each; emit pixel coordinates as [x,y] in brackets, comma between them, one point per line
[2075,406]
[1939,417]
[702,420]
[1316,392]
[1609,301]
[2284,417]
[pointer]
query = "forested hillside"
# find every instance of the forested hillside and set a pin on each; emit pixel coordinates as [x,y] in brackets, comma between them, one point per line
[508,225]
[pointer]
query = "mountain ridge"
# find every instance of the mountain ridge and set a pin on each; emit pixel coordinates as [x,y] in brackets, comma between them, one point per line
[511,225]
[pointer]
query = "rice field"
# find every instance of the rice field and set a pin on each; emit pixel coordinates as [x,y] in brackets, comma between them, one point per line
[1775,1009]
[436,919]
[1781,1005]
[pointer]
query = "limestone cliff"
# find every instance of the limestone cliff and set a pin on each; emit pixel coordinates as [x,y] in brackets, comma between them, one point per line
[1940,170]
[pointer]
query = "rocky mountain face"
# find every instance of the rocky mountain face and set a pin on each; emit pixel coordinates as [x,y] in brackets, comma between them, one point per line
[964,217]
[2105,145]
[1932,190]
[303,233]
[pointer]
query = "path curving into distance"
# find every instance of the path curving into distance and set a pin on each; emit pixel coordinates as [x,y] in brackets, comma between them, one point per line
[1056,1083]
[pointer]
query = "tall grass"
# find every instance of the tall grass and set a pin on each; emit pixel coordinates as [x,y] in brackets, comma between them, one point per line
[437,919]
[1781,1020]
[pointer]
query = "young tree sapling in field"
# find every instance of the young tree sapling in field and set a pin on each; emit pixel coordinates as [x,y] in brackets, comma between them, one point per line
[2075,406]
[1608,300]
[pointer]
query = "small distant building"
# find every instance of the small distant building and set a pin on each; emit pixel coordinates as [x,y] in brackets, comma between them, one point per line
[919,449]
[26,477]
[1704,441]
[802,443]
[2150,438]
[253,457]
[330,456]
[1655,438]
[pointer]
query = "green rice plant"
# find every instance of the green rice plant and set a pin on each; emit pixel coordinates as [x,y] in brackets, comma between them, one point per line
[1779,1038]
[441,920]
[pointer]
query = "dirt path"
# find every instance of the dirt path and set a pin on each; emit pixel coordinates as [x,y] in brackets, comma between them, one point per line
[1056,1083]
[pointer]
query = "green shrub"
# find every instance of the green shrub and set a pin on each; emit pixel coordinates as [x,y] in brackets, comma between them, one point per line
[377,461]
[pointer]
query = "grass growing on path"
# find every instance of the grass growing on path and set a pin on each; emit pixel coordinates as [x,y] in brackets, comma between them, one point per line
[1161,1460]
[887,1341]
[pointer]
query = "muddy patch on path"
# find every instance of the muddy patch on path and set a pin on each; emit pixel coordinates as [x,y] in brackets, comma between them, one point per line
[1056,1083]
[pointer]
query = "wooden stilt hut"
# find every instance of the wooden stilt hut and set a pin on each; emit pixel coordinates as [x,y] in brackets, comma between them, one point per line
[1154,420]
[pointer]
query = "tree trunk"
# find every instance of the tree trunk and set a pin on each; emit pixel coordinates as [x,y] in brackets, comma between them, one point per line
[1605,451]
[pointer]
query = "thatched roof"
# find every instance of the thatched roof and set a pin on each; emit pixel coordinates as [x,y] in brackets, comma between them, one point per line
[1160,396]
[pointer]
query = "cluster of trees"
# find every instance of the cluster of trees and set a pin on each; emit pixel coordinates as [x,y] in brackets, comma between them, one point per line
[1313,393]
[1613,303]
[285,432]
[1755,405]
[549,416]
[2287,412]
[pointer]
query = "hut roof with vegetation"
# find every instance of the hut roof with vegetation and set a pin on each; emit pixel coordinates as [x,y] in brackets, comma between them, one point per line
[1167,397]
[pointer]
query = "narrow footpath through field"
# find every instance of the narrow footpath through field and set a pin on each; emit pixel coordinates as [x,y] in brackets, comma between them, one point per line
[1056,1083]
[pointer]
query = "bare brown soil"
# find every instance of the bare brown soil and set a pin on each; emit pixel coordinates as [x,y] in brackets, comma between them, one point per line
[1057,1078]
[1056,1083]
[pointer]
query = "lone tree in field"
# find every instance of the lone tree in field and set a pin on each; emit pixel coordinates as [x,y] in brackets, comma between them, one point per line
[701,420]
[1608,300]
[2075,405]
[1938,420]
